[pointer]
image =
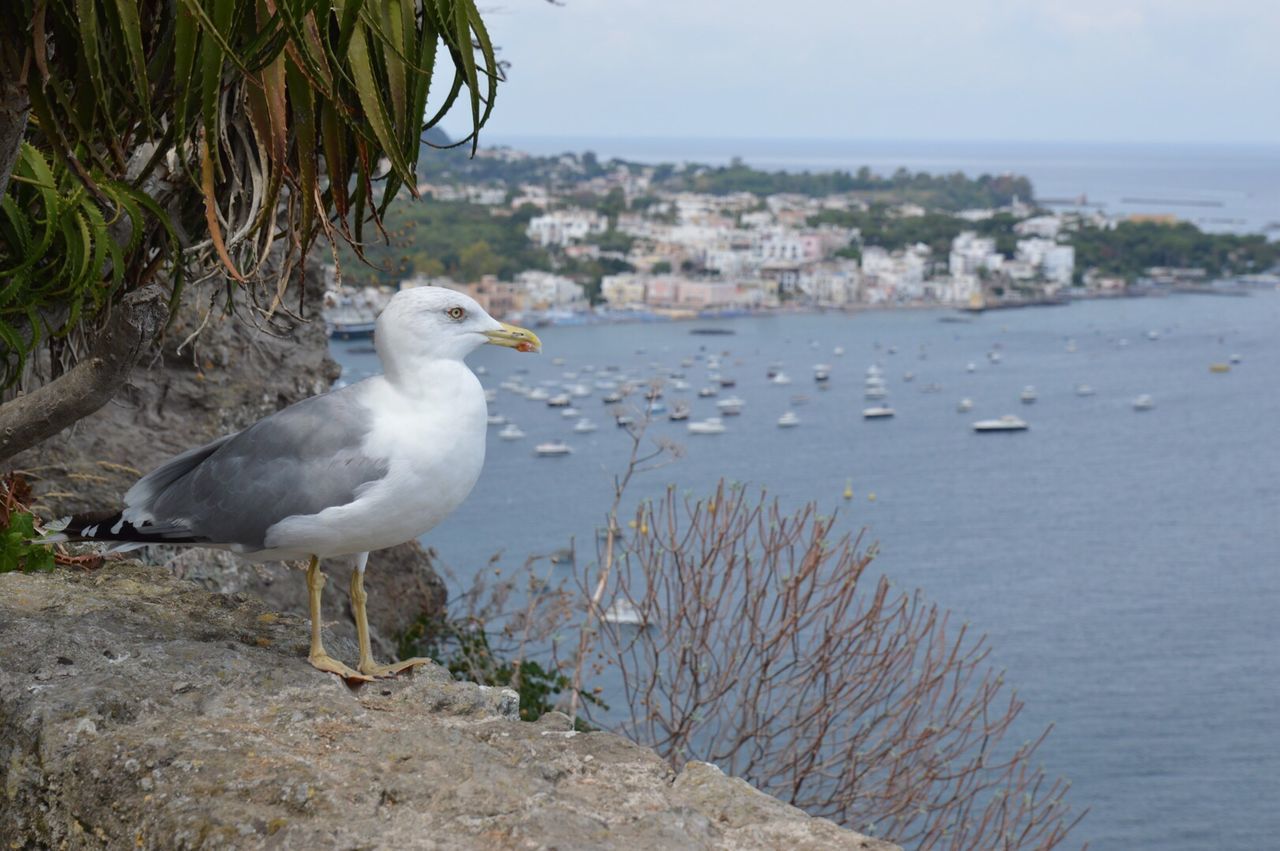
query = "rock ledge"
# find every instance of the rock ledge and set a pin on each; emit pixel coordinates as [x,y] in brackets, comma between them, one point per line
[139,710]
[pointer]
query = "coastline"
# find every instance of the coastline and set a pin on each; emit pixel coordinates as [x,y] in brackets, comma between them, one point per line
[621,317]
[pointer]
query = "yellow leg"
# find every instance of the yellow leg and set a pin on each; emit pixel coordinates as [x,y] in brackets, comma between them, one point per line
[367,665]
[319,658]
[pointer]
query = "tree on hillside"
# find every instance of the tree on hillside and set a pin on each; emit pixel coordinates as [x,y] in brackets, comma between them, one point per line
[154,148]
[477,259]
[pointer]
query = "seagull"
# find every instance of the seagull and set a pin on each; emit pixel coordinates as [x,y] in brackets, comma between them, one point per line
[363,467]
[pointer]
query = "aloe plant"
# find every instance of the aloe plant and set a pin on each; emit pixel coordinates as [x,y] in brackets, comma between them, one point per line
[196,139]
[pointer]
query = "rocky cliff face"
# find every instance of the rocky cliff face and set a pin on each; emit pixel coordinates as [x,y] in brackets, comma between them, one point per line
[140,710]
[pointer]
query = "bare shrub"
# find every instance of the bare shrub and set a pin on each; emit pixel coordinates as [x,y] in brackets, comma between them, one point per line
[768,651]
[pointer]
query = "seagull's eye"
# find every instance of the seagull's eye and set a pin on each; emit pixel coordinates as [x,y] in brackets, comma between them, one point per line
[456,313]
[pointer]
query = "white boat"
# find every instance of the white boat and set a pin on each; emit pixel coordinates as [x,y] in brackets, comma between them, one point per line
[965,406]
[788,420]
[780,378]
[554,447]
[497,419]
[971,367]
[1028,395]
[711,425]
[1071,346]
[994,357]
[821,372]
[730,407]
[908,376]
[622,612]
[1235,358]
[511,431]
[838,351]
[570,413]
[624,420]
[1153,335]
[1084,390]
[707,392]
[679,411]
[874,370]
[679,384]
[491,395]
[584,426]
[1144,403]
[579,390]
[611,398]
[560,400]
[878,412]
[537,394]
[1006,423]
[874,393]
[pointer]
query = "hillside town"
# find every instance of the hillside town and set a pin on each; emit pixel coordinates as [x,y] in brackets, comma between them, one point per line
[664,251]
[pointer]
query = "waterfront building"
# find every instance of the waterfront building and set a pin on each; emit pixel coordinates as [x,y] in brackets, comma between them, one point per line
[624,290]
[546,290]
[1052,261]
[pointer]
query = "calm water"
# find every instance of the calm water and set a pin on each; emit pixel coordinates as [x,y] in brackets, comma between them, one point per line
[1123,563]
[1234,187]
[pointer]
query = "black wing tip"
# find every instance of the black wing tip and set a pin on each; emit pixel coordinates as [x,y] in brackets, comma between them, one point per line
[115,529]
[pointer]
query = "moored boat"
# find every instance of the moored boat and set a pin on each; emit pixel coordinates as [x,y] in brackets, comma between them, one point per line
[552,448]
[1006,423]
[711,425]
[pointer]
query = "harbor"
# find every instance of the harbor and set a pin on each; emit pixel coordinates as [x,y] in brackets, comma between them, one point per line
[1029,537]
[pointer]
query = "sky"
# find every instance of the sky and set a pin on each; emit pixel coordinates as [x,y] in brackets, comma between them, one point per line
[1016,70]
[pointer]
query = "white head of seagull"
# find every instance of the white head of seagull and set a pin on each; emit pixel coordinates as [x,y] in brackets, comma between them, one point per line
[426,324]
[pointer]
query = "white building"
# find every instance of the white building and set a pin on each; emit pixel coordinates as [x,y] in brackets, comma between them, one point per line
[562,227]
[545,290]
[1052,261]
[971,254]
[1043,226]
[896,276]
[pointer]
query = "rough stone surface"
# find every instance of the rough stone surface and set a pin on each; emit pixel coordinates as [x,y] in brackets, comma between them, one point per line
[140,710]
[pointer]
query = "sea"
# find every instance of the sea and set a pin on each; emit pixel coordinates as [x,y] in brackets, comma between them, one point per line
[1125,564]
[1220,188]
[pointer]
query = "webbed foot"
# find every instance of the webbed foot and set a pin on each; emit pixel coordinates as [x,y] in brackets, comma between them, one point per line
[373,669]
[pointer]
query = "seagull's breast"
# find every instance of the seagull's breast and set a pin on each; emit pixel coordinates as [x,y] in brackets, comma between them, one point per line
[433,442]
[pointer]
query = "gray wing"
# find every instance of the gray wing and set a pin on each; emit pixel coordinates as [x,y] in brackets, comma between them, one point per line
[301,460]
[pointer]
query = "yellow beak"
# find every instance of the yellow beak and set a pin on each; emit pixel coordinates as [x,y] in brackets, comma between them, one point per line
[513,337]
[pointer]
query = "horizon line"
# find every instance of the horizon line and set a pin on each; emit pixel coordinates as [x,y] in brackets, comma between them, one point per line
[500,135]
